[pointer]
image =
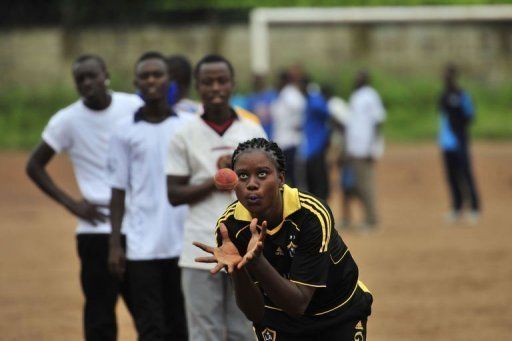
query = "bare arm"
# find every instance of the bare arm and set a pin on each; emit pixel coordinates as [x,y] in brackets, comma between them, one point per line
[36,170]
[248,297]
[179,191]
[291,297]
[116,258]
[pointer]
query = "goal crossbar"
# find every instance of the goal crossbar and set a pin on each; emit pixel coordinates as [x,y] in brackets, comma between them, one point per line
[262,18]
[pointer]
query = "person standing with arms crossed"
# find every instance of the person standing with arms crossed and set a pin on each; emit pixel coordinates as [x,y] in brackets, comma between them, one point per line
[456,115]
[154,229]
[83,130]
[294,276]
[196,152]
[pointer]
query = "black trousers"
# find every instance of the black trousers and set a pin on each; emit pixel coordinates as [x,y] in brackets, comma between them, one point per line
[349,331]
[158,306]
[460,179]
[317,179]
[100,288]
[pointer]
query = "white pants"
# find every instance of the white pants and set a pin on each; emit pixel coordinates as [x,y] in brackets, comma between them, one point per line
[212,313]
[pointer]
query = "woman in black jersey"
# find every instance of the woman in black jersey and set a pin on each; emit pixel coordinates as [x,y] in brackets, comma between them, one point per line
[293,274]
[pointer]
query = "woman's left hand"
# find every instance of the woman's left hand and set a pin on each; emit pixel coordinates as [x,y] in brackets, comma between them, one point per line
[255,245]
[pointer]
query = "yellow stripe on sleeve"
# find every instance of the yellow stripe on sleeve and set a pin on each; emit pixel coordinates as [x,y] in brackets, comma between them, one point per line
[229,211]
[322,223]
[320,206]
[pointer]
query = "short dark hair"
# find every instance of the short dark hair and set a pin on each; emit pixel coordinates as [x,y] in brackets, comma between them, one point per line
[152,55]
[180,69]
[213,58]
[258,143]
[84,57]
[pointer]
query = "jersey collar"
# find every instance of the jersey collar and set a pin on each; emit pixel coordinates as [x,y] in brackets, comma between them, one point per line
[291,204]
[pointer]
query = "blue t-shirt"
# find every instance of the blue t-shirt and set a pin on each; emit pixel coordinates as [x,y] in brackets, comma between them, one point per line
[259,103]
[456,112]
[316,131]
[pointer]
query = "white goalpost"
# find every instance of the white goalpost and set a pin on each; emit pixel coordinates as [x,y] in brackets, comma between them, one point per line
[262,18]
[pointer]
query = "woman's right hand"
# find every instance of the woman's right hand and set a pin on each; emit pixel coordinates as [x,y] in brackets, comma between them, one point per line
[226,256]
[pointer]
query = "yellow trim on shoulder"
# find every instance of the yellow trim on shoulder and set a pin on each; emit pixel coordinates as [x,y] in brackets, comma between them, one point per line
[312,201]
[308,285]
[226,214]
[339,260]
[242,213]
[291,204]
[229,211]
[291,201]
[247,114]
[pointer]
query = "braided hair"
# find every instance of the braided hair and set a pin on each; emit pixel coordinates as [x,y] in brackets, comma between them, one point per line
[270,148]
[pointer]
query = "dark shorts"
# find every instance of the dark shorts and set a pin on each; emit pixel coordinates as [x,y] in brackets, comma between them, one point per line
[348,331]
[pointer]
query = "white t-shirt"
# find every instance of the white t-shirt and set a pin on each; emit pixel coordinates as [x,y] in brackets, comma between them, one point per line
[287,113]
[194,152]
[339,110]
[186,105]
[136,164]
[367,111]
[84,134]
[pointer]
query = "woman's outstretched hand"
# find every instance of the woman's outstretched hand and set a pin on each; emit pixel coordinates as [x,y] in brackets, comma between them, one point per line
[226,256]
[255,245]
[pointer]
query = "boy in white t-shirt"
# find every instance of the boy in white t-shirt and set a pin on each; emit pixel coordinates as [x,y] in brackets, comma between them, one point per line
[196,152]
[82,130]
[137,157]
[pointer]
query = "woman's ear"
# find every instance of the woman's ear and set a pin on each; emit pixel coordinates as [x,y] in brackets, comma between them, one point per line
[281,179]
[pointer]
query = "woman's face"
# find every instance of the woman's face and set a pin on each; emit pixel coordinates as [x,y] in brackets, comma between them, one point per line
[259,183]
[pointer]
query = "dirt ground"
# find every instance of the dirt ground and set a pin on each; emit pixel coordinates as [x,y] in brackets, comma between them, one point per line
[430,280]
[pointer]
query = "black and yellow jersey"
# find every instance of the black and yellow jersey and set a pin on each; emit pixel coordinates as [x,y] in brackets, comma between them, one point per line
[306,249]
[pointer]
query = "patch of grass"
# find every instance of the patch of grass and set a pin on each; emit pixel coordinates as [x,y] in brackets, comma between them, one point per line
[410,100]
[24,113]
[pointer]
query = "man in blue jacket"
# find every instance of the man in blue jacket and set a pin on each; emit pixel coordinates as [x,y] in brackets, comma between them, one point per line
[315,141]
[457,113]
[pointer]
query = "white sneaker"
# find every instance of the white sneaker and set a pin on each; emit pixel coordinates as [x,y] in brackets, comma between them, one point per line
[473,217]
[452,217]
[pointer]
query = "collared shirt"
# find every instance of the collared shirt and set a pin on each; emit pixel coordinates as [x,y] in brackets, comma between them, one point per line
[194,152]
[137,159]
[305,249]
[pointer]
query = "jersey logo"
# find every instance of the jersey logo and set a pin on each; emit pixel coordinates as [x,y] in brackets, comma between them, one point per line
[268,334]
[279,251]
[291,246]
[359,336]
[359,326]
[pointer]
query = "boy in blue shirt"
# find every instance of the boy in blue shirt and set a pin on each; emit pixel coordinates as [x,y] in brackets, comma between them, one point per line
[457,113]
